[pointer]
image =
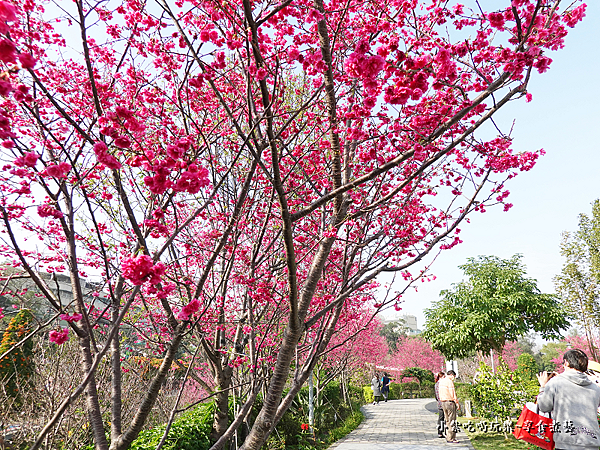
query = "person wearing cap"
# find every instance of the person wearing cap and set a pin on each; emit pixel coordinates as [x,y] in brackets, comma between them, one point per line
[573,400]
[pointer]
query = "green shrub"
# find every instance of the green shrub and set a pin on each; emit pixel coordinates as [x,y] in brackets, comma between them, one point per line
[395,391]
[190,431]
[527,368]
[368,394]
[17,367]
[463,391]
[411,386]
[496,394]
[351,423]
[356,394]
[331,413]
[418,373]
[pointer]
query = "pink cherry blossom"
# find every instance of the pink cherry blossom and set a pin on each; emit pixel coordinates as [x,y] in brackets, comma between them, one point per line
[49,211]
[59,337]
[5,88]
[496,20]
[7,51]
[74,318]
[140,269]
[235,128]
[59,170]
[314,16]
[123,112]
[188,310]
[8,12]
[122,142]
[27,60]
[192,180]
[29,159]
[104,157]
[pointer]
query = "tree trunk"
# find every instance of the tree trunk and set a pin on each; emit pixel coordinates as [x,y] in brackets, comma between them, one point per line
[221,419]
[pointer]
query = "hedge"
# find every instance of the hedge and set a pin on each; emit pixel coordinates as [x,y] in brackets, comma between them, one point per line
[411,389]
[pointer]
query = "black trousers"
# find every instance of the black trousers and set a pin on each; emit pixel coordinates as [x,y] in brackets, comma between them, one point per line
[441,423]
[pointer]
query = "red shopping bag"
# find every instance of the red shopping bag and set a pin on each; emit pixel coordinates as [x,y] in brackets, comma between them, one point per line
[535,428]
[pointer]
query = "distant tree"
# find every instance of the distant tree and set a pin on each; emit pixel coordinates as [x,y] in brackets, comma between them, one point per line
[527,343]
[496,303]
[393,331]
[578,284]
[416,352]
[550,353]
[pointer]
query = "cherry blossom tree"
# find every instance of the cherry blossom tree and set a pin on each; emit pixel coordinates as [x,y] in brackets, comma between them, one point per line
[414,351]
[234,176]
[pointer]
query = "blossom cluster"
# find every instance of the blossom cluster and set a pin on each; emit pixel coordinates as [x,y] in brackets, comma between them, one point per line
[140,269]
[71,318]
[59,337]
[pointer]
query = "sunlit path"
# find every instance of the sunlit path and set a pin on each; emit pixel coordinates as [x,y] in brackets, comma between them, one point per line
[399,425]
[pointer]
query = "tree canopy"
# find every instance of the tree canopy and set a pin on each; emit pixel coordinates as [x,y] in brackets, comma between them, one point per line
[495,303]
[578,283]
[393,331]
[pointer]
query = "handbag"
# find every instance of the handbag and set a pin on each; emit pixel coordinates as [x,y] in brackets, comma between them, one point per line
[535,428]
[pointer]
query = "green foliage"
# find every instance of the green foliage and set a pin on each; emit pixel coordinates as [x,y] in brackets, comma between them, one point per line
[578,284]
[550,351]
[368,394]
[496,303]
[463,391]
[395,391]
[497,395]
[527,368]
[190,431]
[392,332]
[17,367]
[350,423]
[418,373]
[333,419]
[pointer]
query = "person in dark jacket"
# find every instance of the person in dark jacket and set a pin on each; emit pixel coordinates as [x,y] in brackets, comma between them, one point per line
[573,401]
[385,386]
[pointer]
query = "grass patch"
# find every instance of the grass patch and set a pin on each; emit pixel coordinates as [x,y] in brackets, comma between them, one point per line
[492,440]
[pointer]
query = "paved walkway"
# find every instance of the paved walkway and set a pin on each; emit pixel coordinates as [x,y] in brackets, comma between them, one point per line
[409,424]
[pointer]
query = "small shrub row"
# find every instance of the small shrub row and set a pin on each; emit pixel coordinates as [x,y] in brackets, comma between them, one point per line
[411,389]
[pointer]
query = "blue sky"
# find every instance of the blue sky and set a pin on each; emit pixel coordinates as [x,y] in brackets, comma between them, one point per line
[563,120]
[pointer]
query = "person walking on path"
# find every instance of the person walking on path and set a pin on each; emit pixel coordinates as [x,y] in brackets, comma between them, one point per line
[441,429]
[573,400]
[376,386]
[449,405]
[385,385]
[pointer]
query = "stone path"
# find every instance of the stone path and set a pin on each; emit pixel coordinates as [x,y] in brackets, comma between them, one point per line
[399,425]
